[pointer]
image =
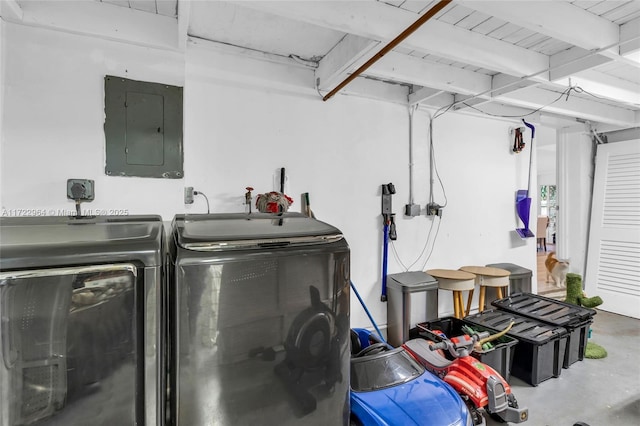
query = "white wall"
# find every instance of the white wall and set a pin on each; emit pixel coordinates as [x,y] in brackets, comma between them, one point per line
[238,134]
[54,117]
[575,159]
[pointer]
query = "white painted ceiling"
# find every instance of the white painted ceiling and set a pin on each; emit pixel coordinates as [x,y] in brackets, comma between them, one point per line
[554,61]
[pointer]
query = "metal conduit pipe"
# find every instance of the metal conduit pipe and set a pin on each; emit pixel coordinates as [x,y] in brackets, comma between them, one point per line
[412,109]
[393,43]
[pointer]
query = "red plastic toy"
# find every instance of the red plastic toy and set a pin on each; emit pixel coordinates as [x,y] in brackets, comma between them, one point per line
[478,384]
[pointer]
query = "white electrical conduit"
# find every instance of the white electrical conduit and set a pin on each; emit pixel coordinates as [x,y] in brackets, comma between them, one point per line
[412,109]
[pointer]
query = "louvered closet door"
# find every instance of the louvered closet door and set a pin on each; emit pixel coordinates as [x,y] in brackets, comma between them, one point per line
[613,261]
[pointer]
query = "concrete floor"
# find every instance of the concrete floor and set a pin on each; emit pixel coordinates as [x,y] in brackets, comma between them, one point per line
[598,392]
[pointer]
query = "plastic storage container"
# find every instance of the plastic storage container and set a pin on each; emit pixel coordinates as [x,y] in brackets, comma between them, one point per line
[400,288]
[500,357]
[541,347]
[519,280]
[575,319]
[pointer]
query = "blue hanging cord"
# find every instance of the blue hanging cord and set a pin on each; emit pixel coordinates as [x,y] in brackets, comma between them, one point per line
[385,257]
[367,312]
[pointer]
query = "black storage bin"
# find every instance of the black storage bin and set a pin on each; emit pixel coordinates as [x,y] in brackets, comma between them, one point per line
[500,357]
[575,319]
[541,347]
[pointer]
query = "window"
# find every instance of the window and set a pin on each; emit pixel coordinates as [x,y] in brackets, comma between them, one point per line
[548,207]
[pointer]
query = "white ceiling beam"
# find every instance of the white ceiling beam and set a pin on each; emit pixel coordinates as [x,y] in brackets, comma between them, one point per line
[558,19]
[576,59]
[184,15]
[550,101]
[439,99]
[501,111]
[96,19]
[376,90]
[606,86]
[503,83]
[463,101]
[500,84]
[247,67]
[228,64]
[420,72]
[380,21]
[630,36]
[565,22]
[10,10]
[423,94]
[349,54]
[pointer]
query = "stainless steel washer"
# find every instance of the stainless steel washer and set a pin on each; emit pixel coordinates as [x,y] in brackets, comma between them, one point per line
[260,320]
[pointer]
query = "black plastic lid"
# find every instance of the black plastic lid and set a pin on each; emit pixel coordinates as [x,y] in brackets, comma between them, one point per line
[544,309]
[525,329]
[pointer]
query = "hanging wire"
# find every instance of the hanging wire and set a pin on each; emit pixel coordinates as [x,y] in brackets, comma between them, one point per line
[432,153]
[441,111]
[205,197]
[432,159]
[397,256]
[565,94]
[424,248]
[433,245]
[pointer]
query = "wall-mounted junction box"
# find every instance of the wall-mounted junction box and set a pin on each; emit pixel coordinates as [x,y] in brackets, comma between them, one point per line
[80,189]
[434,209]
[412,210]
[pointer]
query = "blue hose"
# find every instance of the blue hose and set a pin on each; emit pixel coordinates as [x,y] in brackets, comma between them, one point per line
[385,255]
[367,312]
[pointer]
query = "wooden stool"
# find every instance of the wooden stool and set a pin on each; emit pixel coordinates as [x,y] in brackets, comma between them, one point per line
[456,281]
[488,276]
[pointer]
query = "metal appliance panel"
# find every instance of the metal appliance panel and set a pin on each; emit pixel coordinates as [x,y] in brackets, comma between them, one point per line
[261,335]
[81,332]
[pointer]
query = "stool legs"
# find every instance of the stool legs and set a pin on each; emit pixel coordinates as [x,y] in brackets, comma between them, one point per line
[469,303]
[458,304]
[459,310]
[483,293]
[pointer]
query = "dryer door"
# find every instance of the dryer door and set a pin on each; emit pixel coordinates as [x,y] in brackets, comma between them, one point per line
[69,346]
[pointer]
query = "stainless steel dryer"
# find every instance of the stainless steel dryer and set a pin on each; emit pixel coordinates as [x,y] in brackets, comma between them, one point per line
[260,321]
[81,335]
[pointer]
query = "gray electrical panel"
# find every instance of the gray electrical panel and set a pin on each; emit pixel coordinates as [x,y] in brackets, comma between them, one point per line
[143,129]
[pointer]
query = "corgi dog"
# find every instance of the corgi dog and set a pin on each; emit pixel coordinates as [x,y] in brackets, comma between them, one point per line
[556,270]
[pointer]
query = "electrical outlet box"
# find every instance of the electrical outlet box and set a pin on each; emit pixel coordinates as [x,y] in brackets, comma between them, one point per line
[434,209]
[412,210]
[80,189]
[188,195]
